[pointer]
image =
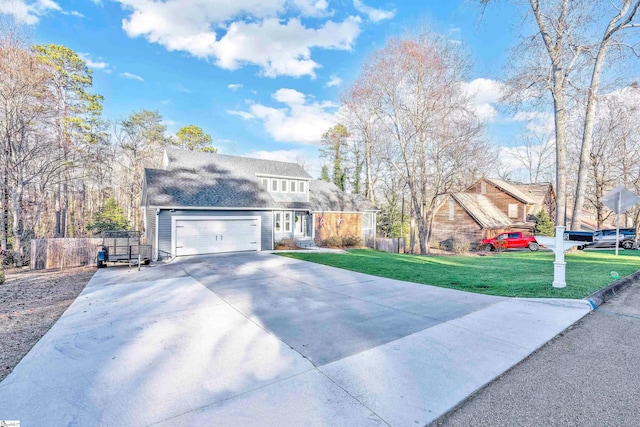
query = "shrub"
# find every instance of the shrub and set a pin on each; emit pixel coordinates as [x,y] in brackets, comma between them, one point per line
[461,245]
[1,274]
[286,244]
[351,241]
[333,242]
[500,245]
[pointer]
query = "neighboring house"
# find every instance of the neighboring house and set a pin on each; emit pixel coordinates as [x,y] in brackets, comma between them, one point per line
[484,210]
[208,203]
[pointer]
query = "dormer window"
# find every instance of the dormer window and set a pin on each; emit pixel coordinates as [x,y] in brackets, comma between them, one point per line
[283,185]
[301,187]
[274,185]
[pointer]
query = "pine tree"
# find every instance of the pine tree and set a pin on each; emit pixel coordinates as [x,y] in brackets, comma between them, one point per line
[324,174]
[544,225]
[109,217]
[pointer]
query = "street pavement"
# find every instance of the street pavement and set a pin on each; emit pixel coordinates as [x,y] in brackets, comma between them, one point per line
[259,339]
[587,376]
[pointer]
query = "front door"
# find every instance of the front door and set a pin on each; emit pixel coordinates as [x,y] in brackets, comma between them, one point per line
[301,223]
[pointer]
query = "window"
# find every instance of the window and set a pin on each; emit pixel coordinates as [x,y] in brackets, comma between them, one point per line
[513,210]
[483,187]
[278,221]
[283,185]
[292,186]
[451,210]
[265,182]
[287,221]
[301,187]
[274,185]
[514,235]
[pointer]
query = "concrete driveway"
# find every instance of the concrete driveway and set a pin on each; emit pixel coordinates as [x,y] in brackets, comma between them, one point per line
[258,339]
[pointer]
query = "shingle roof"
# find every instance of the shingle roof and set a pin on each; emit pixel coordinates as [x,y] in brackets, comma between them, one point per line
[537,192]
[244,166]
[511,189]
[482,210]
[325,196]
[194,179]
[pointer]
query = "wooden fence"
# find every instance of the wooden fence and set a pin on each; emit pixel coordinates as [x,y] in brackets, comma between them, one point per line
[395,245]
[62,253]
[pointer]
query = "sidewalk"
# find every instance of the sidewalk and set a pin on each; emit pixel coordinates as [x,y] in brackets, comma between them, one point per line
[587,376]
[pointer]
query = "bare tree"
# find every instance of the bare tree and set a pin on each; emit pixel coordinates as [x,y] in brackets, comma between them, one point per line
[434,135]
[28,167]
[625,13]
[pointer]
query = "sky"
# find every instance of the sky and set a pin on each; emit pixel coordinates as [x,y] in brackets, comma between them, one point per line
[263,77]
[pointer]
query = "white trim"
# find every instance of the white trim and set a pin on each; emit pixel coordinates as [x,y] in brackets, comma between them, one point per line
[282,176]
[201,218]
[211,208]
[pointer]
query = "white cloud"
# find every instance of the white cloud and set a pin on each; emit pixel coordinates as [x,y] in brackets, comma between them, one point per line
[169,122]
[28,12]
[485,94]
[99,65]
[235,86]
[334,81]
[128,75]
[300,121]
[374,14]
[242,114]
[181,88]
[242,32]
[537,122]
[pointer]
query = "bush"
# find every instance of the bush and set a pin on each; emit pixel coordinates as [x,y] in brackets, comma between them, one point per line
[333,242]
[1,274]
[461,245]
[352,241]
[286,244]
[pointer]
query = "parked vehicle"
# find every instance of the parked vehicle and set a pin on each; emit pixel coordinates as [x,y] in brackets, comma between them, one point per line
[607,239]
[511,240]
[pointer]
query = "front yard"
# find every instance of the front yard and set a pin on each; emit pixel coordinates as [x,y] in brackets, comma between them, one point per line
[513,274]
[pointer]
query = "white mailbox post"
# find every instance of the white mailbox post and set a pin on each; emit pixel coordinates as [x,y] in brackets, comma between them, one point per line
[558,245]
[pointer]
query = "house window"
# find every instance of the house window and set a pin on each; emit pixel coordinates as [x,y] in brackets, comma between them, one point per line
[292,186]
[483,187]
[513,210]
[274,185]
[265,183]
[278,221]
[301,187]
[451,210]
[287,221]
[283,185]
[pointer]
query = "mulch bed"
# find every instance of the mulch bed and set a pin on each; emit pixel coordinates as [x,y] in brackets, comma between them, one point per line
[30,303]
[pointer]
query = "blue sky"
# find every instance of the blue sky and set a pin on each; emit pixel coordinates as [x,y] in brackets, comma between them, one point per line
[263,77]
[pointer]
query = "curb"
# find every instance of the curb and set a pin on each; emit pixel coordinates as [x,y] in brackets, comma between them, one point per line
[598,298]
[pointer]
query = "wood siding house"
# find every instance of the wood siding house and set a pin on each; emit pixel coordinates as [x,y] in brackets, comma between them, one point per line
[485,209]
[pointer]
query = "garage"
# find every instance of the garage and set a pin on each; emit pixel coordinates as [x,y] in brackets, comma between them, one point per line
[208,235]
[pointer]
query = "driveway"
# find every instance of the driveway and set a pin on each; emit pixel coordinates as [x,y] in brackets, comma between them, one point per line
[258,339]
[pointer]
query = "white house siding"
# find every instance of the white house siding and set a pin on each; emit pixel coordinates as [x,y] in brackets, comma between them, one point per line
[164,226]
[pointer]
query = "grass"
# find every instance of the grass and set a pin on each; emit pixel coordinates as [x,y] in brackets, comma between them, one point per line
[513,274]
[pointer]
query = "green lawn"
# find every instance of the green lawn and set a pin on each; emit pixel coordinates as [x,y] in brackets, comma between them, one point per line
[514,274]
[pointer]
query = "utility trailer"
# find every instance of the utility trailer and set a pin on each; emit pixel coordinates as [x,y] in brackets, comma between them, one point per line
[123,246]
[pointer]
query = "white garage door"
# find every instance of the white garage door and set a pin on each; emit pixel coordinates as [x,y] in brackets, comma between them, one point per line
[207,236]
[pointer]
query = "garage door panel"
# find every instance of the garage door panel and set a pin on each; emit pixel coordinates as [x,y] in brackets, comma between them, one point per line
[204,236]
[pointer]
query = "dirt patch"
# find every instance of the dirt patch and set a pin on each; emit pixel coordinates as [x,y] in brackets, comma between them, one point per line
[30,303]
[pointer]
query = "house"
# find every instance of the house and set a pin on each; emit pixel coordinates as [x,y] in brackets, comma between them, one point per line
[200,203]
[485,209]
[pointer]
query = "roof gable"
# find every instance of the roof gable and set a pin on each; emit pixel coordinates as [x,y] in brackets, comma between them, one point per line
[482,210]
[511,190]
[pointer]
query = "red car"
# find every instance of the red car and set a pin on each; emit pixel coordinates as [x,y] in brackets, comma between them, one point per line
[511,240]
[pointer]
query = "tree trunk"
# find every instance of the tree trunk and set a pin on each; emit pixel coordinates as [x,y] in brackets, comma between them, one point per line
[560,113]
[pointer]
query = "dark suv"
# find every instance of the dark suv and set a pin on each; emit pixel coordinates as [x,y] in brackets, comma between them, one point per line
[607,238]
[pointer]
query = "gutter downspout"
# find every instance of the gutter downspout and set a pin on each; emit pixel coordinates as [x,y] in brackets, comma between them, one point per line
[155,238]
